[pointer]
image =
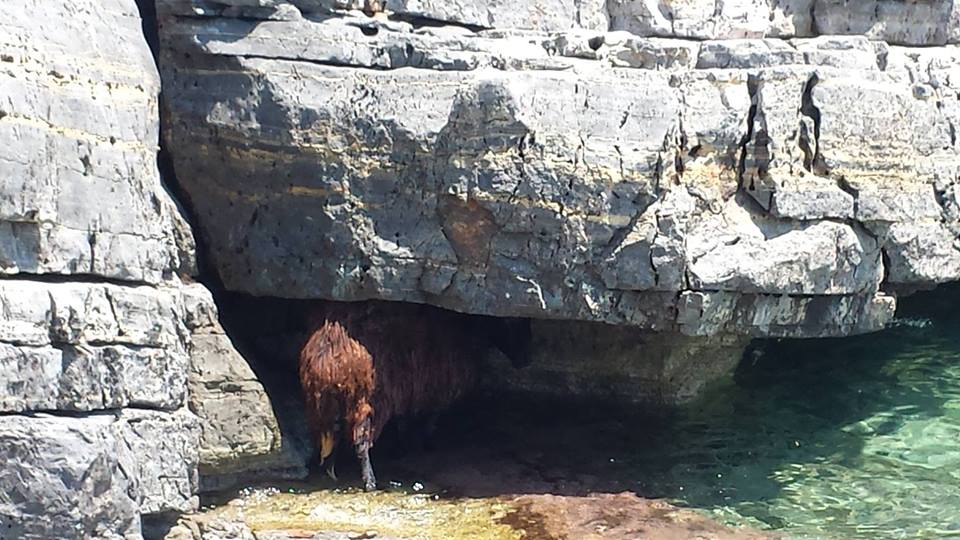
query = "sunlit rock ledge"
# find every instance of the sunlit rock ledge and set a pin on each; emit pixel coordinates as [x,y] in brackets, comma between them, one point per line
[761,186]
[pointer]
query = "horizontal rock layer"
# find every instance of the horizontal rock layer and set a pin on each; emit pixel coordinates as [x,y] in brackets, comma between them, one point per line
[87,346]
[79,189]
[92,476]
[921,22]
[98,333]
[590,175]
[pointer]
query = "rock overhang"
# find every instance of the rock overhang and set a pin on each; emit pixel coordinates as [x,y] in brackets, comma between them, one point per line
[568,172]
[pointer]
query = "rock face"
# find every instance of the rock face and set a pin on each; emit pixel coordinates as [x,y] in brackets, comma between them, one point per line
[618,364]
[709,172]
[241,438]
[695,173]
[759,180]
[100,340]
[79,120]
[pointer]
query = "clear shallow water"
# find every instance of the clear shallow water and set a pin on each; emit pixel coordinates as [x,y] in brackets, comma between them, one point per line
[852,438]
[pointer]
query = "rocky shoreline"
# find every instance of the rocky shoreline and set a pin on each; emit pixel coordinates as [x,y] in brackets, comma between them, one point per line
[655,183]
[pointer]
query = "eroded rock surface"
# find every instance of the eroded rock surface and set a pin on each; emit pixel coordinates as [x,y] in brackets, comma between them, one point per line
[241,438]
[98,338]
[707,171]
[778,180]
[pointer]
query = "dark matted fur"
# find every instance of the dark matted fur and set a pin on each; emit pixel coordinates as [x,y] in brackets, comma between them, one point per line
[365,363]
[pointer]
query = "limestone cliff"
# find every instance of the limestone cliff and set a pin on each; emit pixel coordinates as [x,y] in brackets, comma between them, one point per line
[696,173]
[713,172]
[100,337]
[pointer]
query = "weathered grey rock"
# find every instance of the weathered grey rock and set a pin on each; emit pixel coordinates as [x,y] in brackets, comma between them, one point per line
[710,313]
[87,347]
[84,347]
[929,22]
[575,175]
[87,477]
[80,124]
[167,458]
[925,22]
[619,363]
[747,54]
[703,19]
[66,478]
[83,378]
[627,50]
[92,251]
[533,14]
[846,52]
[241,440]
[745,251]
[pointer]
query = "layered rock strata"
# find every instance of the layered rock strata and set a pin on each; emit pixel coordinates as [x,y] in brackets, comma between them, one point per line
[100,340]
[241,440]
[694,173]
[708,172]
[755,186]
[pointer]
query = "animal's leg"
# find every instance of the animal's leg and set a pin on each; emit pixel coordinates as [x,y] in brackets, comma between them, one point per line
[366,469]
[331,462]
[327,443]
[363,435]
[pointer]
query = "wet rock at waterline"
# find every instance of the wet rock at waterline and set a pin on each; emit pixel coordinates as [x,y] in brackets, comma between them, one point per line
[324,515]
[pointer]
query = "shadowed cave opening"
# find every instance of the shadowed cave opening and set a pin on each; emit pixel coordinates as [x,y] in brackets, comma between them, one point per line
[791,404]
[538,432]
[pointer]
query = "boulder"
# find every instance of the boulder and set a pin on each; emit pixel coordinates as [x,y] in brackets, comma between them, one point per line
[86,477]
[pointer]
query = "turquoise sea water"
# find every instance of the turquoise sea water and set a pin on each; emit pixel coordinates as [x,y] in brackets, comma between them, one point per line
[839,438]
[853,438]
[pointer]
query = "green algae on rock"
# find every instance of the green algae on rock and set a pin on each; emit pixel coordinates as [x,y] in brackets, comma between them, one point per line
[387,513]
[396,515]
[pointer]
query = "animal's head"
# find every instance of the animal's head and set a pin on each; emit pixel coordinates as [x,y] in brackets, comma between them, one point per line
[513,337]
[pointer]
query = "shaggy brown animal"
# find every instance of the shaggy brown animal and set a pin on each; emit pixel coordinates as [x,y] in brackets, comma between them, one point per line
[365,363]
